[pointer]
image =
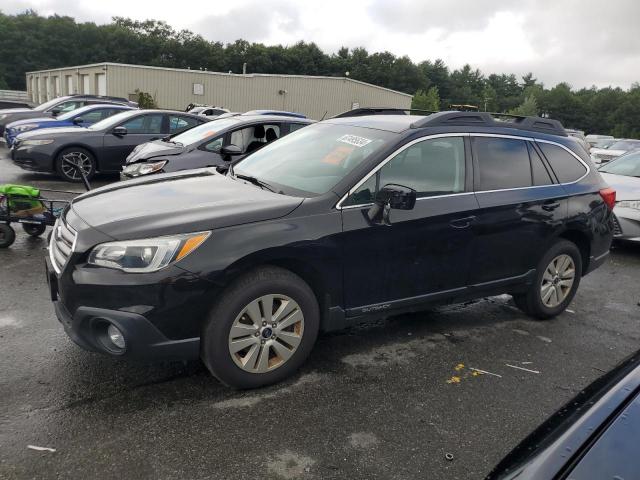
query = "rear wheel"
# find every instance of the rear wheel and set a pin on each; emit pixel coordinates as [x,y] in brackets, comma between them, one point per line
[77,156]
[557,279]
[261,330]
[35,230]
[7,235]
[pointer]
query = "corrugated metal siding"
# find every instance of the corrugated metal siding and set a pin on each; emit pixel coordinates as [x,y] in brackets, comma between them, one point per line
[313,96]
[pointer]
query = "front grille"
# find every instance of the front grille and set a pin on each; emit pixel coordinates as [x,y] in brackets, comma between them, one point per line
[63,239]
[617,230]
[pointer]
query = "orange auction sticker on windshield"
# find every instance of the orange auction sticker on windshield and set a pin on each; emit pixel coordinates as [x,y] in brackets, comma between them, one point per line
[337,155]
[210,133]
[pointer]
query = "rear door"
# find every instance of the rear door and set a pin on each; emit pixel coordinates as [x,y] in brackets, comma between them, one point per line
[522,205]
[140,129]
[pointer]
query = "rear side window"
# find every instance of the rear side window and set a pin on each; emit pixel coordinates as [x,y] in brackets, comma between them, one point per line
[504,163]
[566,167]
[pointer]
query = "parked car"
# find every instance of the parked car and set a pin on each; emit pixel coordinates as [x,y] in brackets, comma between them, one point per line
[579,136]
[339,221]
[212,144]
[81,117]
[594,138]
[593,437]
[208,111]
[617,148]
[57,106]
[623,174]
[282,113]
[102,147]
[602,143]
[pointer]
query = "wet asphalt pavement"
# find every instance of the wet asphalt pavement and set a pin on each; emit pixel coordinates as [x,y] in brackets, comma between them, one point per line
[372,402]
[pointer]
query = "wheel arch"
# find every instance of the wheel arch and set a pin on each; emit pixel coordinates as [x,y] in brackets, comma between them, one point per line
[583,242]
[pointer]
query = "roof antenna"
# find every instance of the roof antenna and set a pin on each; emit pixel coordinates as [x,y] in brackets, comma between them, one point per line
[325,114]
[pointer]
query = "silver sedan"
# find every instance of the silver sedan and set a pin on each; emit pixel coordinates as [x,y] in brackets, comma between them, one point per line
[623,175]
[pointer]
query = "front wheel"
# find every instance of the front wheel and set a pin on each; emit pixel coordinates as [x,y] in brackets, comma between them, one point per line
[33,229]
[262,329]
[70,159]
[557,279]
[7,235]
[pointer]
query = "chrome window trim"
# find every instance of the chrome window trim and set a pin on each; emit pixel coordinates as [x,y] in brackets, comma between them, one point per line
[441,135]
[388,159]
[58,268]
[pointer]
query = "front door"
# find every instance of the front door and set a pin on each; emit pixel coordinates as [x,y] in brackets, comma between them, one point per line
[426,251]
[140,129]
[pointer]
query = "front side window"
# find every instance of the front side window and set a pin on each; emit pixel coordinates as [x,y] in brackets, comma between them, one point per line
[144,124]
[252,138]
[566,167]
[503,163]
[68,106]
[214,145]
[314,159]
[431,167]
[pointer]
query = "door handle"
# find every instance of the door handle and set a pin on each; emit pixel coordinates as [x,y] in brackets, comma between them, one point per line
[462,222]
[550,206]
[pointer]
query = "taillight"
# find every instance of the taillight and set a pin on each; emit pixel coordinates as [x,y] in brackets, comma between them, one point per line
[609,197]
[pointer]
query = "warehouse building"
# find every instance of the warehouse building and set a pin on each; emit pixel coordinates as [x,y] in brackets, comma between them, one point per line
[174,88]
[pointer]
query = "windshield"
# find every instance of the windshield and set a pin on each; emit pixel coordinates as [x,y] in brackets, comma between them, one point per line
[628,165]
[111,121]
[312,160]
[624,145]
[204,131]
[44,106]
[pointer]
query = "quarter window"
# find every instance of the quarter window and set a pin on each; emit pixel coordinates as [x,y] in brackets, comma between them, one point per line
[538,169]
[566,166]
[504,163]
[432,167]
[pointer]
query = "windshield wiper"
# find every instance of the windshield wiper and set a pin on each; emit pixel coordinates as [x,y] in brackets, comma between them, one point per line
[255,181]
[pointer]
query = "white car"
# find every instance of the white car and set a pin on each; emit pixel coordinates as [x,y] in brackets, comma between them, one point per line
[617,148]
[208,111]
[623,175]
[595,140]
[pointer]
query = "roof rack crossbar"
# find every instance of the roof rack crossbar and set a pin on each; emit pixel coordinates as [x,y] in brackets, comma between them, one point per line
[357,112]
[487,119]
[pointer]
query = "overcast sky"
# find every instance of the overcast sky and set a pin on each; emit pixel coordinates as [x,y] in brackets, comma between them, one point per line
[583,42]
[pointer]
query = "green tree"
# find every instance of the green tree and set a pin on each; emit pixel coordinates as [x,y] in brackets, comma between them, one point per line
[429,100]
[528,108]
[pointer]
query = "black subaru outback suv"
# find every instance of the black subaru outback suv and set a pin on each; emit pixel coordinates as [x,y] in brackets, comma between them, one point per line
[341,220]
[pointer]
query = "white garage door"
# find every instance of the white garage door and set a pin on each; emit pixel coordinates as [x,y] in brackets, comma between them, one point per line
[101,81]
[86,87]
[69,84]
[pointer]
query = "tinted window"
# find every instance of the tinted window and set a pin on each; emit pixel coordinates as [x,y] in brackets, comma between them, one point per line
[91,117]
[628,165]
[432,167]
[566,167]
[144,124]
[538,169]
[504,163]
[214,145]
[180,124]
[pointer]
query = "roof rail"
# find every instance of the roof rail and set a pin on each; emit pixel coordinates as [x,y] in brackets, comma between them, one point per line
[487,119]
[358,112]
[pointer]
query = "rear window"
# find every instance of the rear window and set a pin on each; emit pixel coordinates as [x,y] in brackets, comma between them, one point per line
[504,163]
[566,167]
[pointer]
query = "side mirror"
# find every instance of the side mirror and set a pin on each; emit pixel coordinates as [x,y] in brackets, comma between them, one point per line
[391,196]
[77,121]
[56,111]
[230,151]
[119,131]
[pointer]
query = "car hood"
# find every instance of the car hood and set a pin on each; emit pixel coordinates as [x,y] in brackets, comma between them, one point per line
[57,132]
[27,121]
[627,188]
[604,151]
[182,202]
[154,149]
[14,110]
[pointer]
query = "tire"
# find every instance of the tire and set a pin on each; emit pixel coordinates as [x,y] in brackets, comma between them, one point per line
[262,358]
[558,273]
[7,235]
[35,230]
[75,154]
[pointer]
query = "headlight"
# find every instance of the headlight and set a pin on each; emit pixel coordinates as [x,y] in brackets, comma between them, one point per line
[137,169]
[33,143]
[146,255]
[24,128]
[635,204]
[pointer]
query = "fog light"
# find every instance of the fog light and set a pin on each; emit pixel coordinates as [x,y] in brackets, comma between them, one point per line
[116,336]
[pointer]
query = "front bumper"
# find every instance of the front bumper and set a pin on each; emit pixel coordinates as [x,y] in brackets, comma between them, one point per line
[627,225]
[31,159]
[87,325]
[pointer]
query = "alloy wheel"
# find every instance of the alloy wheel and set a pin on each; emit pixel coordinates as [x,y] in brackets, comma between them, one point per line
[266,333]
[77,158]
[557,280]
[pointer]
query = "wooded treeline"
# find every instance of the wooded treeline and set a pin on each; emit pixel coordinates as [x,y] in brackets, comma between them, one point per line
[32,42]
